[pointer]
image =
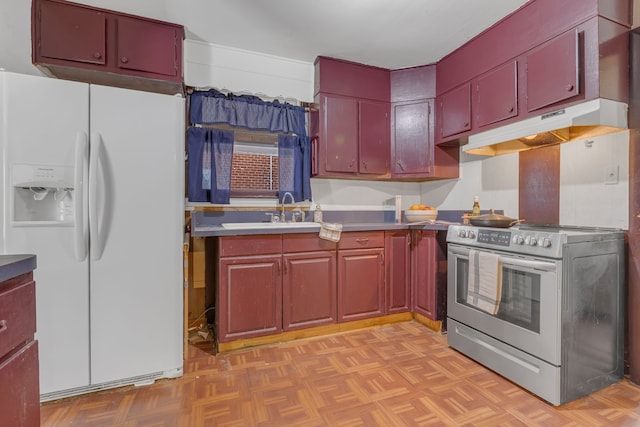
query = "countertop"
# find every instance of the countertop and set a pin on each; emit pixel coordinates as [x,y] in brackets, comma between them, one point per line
[208,223]
[217,230]
[14,265]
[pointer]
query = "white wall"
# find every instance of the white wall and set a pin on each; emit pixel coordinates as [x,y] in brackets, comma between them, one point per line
[594,181]
[15,37]
[588,196]
[493,179]
[239,70]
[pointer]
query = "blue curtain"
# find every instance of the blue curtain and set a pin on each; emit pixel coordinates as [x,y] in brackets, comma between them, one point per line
[210,154]
[213,107]
[294,159]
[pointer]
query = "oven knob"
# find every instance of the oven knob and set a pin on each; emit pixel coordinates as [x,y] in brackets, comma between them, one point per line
[471,234]
[533,241]
[518,240]
[462,233]
[546,242]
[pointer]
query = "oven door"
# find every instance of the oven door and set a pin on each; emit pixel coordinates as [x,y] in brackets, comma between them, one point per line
[528,317]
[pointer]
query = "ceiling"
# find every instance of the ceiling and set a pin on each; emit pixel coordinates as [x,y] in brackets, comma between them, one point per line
[386,33]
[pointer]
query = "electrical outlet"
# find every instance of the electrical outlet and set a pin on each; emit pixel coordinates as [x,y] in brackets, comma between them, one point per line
[611,175]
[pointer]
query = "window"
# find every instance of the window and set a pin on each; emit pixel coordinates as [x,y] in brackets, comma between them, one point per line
[255,171]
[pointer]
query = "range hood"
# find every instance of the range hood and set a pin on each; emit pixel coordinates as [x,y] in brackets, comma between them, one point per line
[586,120]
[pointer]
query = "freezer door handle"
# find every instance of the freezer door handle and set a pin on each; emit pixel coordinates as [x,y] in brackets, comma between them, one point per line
[97,197]
[80,172]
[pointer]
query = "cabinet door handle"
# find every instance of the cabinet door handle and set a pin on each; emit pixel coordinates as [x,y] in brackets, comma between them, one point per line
[382,258]
[351,164]
[124,59]
[3,325]
[569,87]
[364,165]
[511,110]
[97,55]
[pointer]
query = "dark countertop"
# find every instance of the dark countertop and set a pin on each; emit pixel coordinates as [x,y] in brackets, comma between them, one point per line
[14,265]
[209,224]
[216,230]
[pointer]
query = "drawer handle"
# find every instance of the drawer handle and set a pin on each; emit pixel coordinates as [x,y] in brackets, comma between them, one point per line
[3,326]
[362,240]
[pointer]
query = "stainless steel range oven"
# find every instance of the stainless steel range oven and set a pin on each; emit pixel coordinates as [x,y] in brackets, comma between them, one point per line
[540,305]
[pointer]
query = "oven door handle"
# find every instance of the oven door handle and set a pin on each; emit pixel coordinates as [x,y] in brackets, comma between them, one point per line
[516,262]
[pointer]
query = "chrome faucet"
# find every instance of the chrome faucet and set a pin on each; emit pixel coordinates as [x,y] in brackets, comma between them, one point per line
[284,197]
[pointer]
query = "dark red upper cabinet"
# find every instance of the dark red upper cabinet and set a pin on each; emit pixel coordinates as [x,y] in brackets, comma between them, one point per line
[79,42]
[455,111]
[412,143]
[72,33]
[351,130]
[374,137]
[146,46]
[340,131]
[496,95]
[553,72]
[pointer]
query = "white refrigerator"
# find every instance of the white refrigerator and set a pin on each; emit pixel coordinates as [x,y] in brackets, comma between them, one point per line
[92,183]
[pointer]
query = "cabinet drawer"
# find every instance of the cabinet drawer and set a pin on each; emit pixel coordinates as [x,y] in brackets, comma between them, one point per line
[17,316]
[250,245]
[306,242]
[362,239]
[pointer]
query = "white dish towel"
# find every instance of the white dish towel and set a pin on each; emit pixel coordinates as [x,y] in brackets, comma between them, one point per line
[484,288]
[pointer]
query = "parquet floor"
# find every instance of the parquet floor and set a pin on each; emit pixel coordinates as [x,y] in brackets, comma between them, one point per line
[395,375]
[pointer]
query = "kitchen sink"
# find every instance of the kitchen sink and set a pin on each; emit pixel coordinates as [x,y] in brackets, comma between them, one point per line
[258,225]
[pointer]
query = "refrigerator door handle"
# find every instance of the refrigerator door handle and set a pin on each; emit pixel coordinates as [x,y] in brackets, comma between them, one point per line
[97,197]
[80,209]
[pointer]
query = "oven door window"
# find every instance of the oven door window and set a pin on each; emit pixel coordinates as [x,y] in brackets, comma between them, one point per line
[520,300]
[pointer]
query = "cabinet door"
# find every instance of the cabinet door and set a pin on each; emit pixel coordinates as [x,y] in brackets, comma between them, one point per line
[360,284]
[425,271]
[553,72]
[412,139]
[496,95]
[147,46]
[398,271]
[72,33]
[341,133]
[455,111]
[250,297]
[374,137]
[309,290]
[20,403]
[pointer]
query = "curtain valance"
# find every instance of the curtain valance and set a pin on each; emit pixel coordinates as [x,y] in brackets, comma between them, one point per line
[246,111]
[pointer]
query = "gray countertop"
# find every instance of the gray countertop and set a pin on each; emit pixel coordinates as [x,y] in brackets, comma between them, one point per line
[14,265]
[217,230]
[209,223]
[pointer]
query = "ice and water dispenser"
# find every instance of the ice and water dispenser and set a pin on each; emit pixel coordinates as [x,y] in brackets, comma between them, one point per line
[43,194]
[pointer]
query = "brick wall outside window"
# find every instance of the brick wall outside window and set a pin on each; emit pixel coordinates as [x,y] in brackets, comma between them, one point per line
[254,172]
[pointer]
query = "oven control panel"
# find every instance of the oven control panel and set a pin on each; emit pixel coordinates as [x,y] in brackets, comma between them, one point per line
[530,242]
[494,237]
